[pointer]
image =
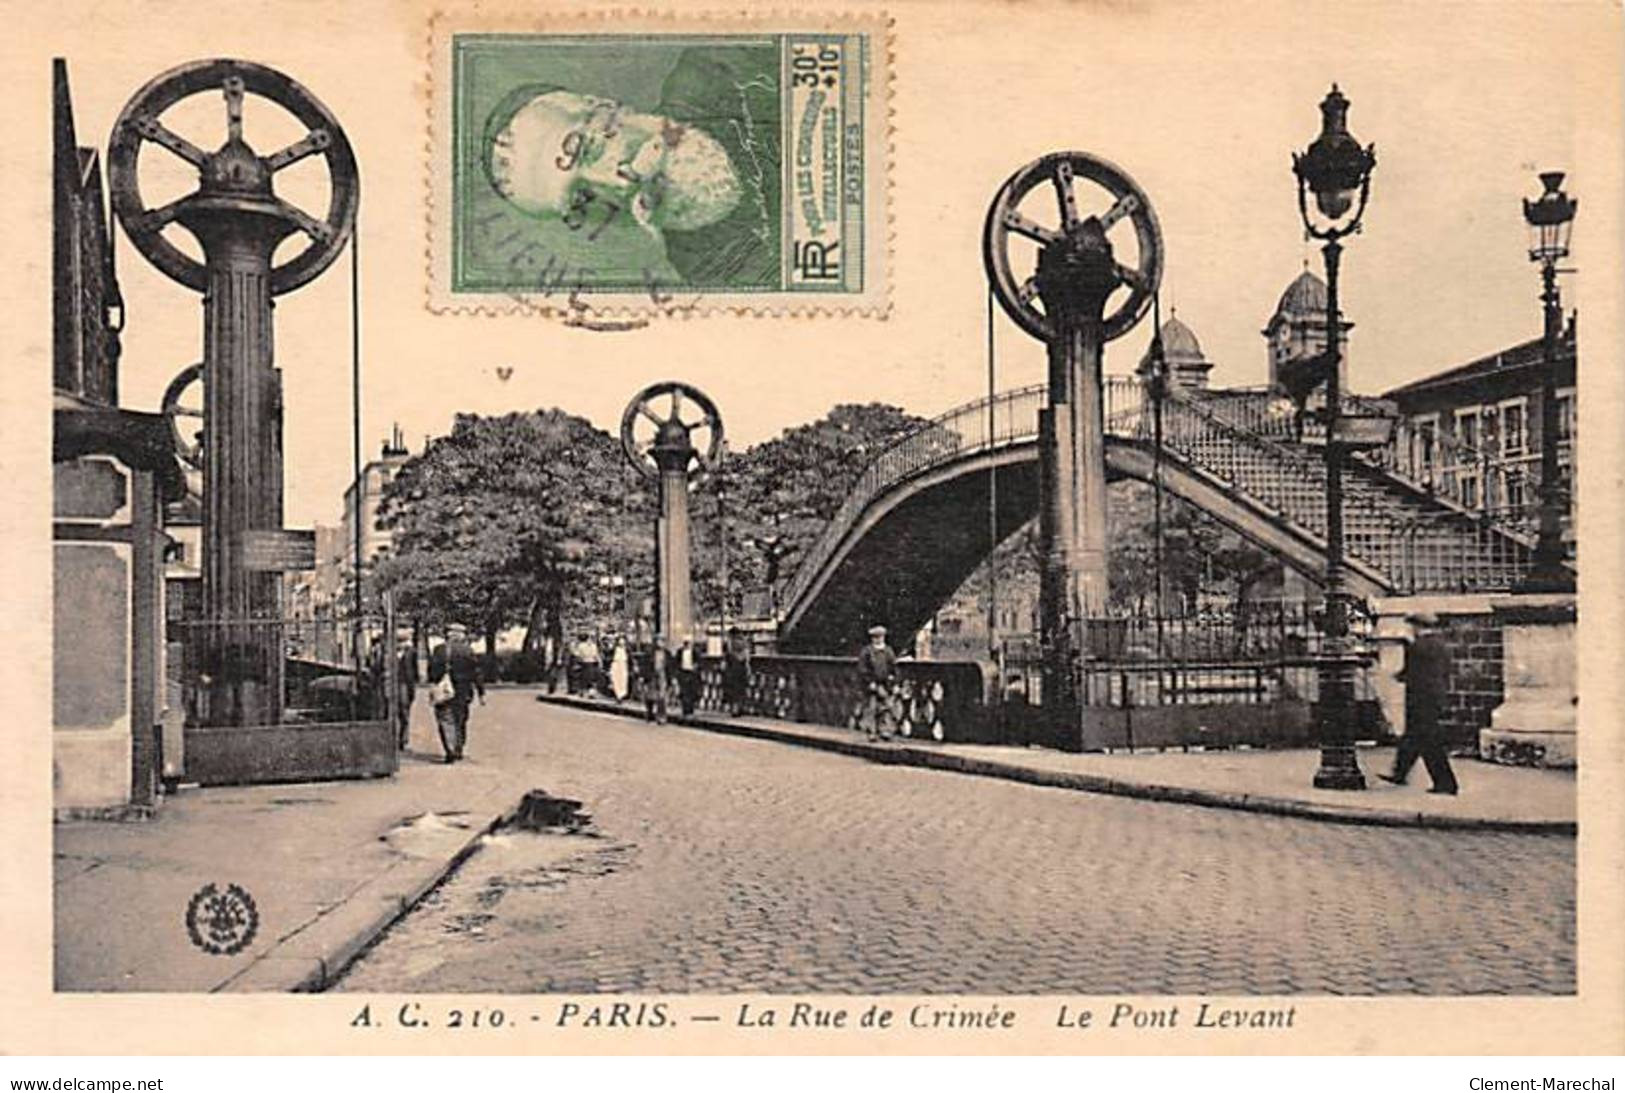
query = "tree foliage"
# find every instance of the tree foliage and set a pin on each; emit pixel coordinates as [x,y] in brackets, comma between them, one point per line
[779,496]
[511,520]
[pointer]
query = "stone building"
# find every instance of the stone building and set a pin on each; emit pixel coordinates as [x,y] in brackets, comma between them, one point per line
[1297,329]
[113,472]
[1473,430]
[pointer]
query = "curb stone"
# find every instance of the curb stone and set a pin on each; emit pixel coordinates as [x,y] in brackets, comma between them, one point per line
[931,759]
[313,958]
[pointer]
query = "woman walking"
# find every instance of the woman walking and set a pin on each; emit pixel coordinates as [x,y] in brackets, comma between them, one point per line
[620,671]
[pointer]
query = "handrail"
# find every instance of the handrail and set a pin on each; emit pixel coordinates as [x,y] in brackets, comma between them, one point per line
[956,432]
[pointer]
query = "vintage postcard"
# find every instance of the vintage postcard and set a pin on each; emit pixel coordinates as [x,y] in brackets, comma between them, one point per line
[635,165]
[1188,623]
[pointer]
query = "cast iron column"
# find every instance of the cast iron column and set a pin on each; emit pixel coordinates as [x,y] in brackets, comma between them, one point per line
[1548,573]
[1064,305]
[238,221]
[672,453]
[667,458]
[1075,276]
[1337,663]
[242,479]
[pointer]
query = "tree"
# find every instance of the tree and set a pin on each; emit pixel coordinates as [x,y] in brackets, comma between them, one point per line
[509,520]
[779,497]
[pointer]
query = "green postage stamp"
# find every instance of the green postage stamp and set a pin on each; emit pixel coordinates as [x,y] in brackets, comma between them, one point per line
[604,167]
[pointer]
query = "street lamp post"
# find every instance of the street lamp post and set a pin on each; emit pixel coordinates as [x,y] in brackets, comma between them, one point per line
[1550,218]
[1155,377]
[774,550]
[1337,170]
[722,532]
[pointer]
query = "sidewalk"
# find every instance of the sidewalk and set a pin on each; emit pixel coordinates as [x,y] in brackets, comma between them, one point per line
[1493,797]
[329,866]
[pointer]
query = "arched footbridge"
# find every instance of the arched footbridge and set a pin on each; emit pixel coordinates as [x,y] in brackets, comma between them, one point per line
[917,522]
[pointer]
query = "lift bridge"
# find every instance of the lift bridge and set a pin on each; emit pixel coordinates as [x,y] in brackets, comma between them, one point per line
[916,524]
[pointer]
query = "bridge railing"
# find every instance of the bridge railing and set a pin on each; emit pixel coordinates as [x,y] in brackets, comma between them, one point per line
[1011,417]
[1501,487]
[1242,439]
[1452,547]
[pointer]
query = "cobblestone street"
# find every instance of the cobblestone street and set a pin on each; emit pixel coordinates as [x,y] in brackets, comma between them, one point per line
[720,865]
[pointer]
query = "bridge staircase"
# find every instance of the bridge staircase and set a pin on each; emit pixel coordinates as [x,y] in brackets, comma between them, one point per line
[1415,534]
[1409,527]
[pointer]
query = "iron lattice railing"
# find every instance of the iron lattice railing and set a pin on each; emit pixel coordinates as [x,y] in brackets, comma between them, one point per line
[1502,483]
[1416,533]
[1238,653]
[306,669]
[1417,540]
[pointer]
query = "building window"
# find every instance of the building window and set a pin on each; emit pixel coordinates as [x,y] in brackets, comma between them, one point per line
[1514,435]
[1467,427]
[1469,490]
[1468,438]
[1424,445]
[1567,423]
[1516,494]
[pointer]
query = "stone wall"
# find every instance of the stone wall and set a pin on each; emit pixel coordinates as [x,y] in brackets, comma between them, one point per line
[1477,675]
[1474,629]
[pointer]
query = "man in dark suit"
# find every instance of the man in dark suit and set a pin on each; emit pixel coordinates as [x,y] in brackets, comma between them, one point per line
[406,683]
[453,657]
[1427,686]
[877,674]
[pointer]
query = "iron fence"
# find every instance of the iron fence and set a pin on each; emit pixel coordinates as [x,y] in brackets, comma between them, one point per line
[1234,654]
[268,671]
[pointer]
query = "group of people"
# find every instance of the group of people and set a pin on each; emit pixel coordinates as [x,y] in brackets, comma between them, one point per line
[618,668]
[454,678]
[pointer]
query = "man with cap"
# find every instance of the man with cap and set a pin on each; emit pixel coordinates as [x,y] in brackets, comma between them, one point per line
[406,682]
[1427,686]
[454,659]
[877,675]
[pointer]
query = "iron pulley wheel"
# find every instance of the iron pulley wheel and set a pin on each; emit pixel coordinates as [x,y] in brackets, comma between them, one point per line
[665,407]
[177,406]
[1060,171]
[233,176]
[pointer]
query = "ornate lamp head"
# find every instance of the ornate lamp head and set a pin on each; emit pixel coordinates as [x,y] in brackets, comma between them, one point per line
[1335,168]
[1550,218]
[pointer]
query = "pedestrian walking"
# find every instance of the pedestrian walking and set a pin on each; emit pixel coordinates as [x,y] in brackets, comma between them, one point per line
[406,685]
[877,674]
[735,672]
[1426,676]
[583,672]
[550,659]
[620,671]
[453,662]
[654,683]
[688,676]
[375,681]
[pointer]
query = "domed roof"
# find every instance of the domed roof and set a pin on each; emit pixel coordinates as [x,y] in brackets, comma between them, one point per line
[1182,351]
[1179,340]
[1305,295]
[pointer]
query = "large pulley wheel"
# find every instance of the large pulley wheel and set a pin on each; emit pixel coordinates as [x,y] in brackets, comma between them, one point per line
[233,176]
[1060,171]
[181,405]
[659,416]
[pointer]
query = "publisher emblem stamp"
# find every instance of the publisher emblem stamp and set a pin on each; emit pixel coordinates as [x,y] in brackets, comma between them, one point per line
[638,165]
[222,922]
